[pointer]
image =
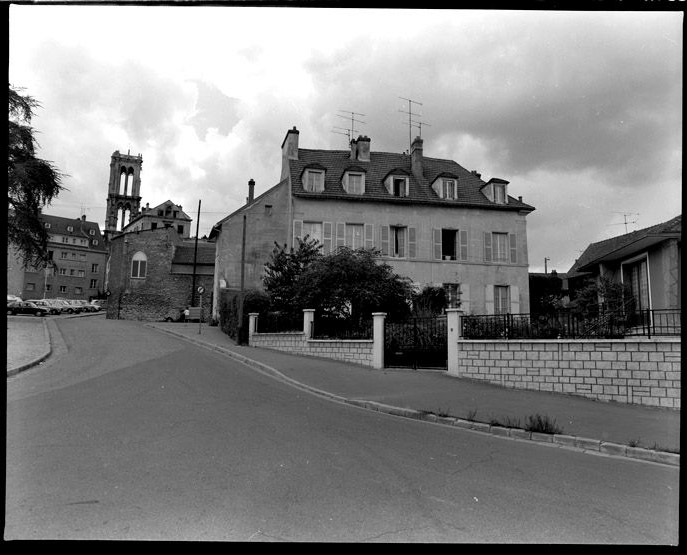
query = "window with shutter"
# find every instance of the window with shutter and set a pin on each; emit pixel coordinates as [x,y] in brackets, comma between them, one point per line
[369,236]
[340,234]
[384,239]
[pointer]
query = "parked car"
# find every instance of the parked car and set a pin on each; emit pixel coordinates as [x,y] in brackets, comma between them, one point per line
[58,305]
[68,308]
[25,307]
[52,309]
[102,303]
[95,305]
[85,305]
[13,299]
[74,304]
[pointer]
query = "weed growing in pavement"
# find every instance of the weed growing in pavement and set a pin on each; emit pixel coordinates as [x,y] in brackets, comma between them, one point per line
[542,424]
[634,443]
[507,422]
[471,415]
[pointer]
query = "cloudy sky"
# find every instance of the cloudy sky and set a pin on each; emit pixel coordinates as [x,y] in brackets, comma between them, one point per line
[580,111]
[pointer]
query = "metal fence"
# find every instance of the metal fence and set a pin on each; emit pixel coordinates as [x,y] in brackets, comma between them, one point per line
[336,328]
[569,325]
[276,322]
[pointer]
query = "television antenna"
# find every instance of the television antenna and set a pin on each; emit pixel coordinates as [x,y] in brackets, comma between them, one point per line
[410,118]
[419,125]
[344,131]
[625,220]
[352,116]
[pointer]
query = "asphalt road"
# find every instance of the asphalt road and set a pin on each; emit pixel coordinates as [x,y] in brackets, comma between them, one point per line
[132,434]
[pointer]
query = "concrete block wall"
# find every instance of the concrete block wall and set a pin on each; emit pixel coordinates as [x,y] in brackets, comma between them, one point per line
[636,371]
[354,351]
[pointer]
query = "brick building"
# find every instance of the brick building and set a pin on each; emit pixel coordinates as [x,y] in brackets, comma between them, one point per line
[432,220]
[77,255]
[150,275]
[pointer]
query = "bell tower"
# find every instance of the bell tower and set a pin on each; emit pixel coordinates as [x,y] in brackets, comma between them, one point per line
[123,191]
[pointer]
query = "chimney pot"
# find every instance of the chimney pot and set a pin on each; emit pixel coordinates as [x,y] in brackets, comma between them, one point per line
[354,149]
[251,190]
[416,157]
[363,148]
[520,199]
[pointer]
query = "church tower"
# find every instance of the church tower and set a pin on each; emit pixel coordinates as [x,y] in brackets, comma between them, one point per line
[123,192]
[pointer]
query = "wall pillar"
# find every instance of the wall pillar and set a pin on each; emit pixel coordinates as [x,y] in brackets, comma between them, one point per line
[454,327]
[378,339]
[252,325]
[308,319]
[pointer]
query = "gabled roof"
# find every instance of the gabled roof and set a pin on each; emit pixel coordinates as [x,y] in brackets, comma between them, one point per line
[626,245]
[381,164]
[184,253]
[81,228]
[168,204]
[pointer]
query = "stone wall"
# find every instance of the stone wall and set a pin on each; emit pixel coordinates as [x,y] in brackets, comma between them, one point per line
[353,351]
[636,371]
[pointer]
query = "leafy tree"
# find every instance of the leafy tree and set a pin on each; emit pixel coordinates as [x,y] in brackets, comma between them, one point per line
[31,182]
[431,301]
[284,269]
[602,294]
[352,284]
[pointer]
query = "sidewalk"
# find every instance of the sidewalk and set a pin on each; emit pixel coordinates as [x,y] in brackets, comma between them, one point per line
[609,428]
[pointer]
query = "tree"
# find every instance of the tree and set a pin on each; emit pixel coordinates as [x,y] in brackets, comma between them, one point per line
[283,270]
[602,295]
[352,284]
[431,301]
[31,183]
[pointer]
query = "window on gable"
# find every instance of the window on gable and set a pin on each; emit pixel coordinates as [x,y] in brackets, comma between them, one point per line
[500,193]
[314,181]
[448,189]
[355,183]
[399,188]
[139,264]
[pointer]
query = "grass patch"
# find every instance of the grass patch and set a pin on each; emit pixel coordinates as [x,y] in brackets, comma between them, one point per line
[507,422]
[542,424]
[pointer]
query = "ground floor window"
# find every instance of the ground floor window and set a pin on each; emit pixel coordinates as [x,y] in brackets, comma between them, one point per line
[501,299]
[636,276]
[63,288]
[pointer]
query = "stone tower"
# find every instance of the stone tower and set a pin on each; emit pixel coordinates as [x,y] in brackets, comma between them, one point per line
[123,192]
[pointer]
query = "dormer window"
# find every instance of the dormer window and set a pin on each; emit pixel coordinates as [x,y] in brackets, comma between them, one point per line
[399,186]
[354,183]
[70,228]
[499,193]
[91,231]
[313,181]
[46,225]
[448,189]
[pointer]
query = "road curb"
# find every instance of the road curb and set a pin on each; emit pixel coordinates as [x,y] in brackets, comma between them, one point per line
[577,443]
[36,361]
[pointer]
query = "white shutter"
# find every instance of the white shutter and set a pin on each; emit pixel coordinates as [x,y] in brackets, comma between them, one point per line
[297,232]
[514,299]
[489,299]
[369,236]
[384,236]
[412,242]
[436,235]
[340,234]
[327,237]
[513,249]
[463,236]
[465,297]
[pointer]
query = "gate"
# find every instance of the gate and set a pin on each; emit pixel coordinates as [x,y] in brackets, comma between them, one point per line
[416,343]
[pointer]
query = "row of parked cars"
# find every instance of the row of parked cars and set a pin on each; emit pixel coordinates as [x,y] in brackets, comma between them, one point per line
[45,307]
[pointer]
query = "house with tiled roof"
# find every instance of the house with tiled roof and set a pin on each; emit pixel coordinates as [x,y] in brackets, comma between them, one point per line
[77,256]
[434,221]
[166,214]
[647,260]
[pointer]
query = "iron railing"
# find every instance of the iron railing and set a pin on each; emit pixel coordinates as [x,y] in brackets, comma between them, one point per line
[569,325]
[276,322]
[338,328]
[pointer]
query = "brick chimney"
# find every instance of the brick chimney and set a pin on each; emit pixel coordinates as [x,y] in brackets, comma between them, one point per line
[364,149]
[416,157]
[354,149]
[251,191]
[289,150]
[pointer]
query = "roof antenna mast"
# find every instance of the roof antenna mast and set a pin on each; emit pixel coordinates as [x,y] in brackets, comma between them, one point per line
[410,119]
[353,119]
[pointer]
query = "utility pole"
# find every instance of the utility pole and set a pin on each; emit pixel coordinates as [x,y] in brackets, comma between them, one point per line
[195,256]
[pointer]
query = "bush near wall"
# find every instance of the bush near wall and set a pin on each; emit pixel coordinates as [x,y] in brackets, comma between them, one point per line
[229,308]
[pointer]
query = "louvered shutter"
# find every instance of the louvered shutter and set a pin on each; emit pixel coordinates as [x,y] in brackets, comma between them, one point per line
[412,242]
[436,234]
[489,299]
[340,234]
[327,237]
[369,236]
[297,232]
[514,299]
[487,249]
[463,237]
[384,233]
[513,249]
[465,297]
